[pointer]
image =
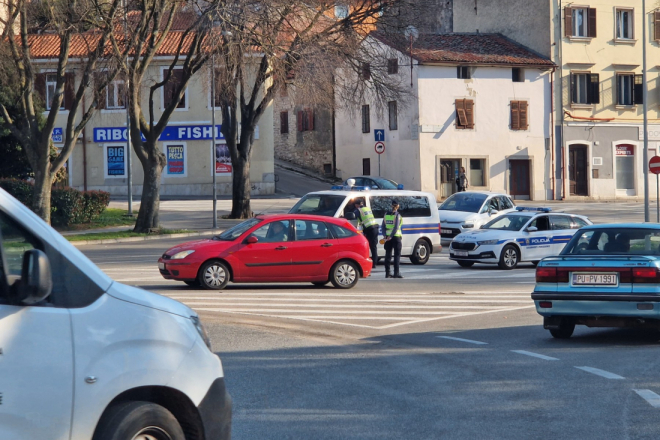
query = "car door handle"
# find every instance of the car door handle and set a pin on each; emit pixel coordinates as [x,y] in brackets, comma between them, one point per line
[280,248]
[326,245]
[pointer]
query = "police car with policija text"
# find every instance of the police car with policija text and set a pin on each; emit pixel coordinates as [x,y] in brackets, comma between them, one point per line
[527,234]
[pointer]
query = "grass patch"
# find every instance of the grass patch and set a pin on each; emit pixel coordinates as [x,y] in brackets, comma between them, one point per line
[110,217]
[122,234]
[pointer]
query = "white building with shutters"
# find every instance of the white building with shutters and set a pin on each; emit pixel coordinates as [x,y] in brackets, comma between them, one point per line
[480,101]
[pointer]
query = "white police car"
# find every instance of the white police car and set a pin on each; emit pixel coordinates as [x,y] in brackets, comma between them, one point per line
[527,234]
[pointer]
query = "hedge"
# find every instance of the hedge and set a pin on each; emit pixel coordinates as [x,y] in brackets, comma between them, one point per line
[68,205]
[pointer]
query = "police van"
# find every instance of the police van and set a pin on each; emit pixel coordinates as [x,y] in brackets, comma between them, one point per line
[419,211]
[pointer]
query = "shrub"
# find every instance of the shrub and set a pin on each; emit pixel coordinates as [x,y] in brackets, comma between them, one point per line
[95,203]
[67,206]
[20,189]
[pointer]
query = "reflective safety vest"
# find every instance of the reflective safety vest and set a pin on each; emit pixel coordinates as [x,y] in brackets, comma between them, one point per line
[367,216]
[389,225]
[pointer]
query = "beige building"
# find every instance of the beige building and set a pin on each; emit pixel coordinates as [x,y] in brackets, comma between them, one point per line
[597,88]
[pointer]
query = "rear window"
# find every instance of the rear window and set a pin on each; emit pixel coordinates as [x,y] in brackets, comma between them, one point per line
[409,206]
[614,241]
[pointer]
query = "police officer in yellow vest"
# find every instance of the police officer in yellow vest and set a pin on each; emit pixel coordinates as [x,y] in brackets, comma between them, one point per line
[369,227]
[391,229]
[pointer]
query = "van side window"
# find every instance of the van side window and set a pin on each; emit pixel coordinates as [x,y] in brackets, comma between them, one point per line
[409,206]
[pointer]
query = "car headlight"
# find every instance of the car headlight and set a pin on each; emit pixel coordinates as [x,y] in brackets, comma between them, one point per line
[468,225]
[485,242]
[182,254]
[201,330]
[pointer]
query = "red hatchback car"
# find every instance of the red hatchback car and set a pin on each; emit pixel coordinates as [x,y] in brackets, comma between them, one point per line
[273,248]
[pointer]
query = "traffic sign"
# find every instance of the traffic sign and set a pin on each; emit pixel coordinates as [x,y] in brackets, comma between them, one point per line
[654,165]
[380,147]
[379,135]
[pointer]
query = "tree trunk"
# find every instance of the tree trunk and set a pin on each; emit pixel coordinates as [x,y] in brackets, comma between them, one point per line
[147,219]
[240,196]
[41,194]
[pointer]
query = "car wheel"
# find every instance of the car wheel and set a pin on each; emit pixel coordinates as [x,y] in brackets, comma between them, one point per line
[138,421]
[465,263]
[344,274]
[214,275]
[319,283]
[565,329]
[421,252]
[192,283]
[509,257]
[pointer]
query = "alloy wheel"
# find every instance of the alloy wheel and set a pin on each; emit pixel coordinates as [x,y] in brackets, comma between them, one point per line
[510,257]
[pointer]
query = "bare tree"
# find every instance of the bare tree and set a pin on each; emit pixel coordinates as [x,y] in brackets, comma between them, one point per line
[80,23]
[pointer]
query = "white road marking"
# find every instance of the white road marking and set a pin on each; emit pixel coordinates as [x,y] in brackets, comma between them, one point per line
[602,373]
[470,341]
[652,398]
[536,355]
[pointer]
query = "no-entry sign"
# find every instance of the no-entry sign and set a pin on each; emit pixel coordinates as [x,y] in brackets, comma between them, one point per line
[380,147]
[654,165]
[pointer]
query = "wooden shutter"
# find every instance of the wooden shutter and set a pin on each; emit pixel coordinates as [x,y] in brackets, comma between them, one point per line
[284,122]
[309,116]
[524,120]
[638,89]
[568,21]
[515,115]
[40,86]
[591,22]
[366,120]
[469,113]
[461,118]
[393,117]
[656,25]
[301,120]
[69,90]
[593,89]
[573,88]
[98,79]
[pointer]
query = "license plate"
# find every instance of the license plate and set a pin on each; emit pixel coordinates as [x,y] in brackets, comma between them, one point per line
[595,279]
[461,253]
[161,266]
[446,231]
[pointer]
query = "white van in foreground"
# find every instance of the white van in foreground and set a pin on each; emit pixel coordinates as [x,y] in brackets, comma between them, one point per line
[83,357]
[421,221]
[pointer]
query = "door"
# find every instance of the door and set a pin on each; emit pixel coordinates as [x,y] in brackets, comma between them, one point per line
[625,169]
[449,169]
[520,188]
[538,244]
[366,167]
[313,251]
[577,170]
[562,232]
[270,257]
[36,354]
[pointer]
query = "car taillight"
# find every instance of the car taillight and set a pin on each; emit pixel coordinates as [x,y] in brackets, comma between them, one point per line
[546,274]
[645,275]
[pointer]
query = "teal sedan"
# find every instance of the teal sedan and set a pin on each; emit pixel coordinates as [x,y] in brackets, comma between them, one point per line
[606,276]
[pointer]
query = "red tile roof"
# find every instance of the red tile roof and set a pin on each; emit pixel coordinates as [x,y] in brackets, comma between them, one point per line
[461,48]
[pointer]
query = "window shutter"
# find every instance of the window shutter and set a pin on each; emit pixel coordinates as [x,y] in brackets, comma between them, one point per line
[568,21]
[366,122]
[524,122]
[98,79]
[301,120]
[656,25]
[593,91]
[40,86]
[469,113]
[638,90]
[573,88]
[284,122]
[591,22]
[178,75]
[310,119]
[460,113]
[393,117]
[515,115]
[366,71]
[69,93]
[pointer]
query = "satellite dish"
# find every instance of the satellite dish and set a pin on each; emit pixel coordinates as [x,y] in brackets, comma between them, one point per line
[411,32]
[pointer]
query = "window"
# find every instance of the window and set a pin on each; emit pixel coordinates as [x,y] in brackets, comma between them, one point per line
[340,231]
[517,74]
[305,119]
[341,11]
[579,22]
[391,108]
[477,177]
[577,223]
[115,95]
[217,101]
[560,222]
[519,115]
[409,206]
[171,88]
[464,114]
[585,88]
[51,86]
[541,223]
[624,24]
[273,232]
[366,166]
[463,72]
[392,66]
[656,25]
[365,71]
[284,122]
[629,89]
[366,121]
[506,202]
[311,230]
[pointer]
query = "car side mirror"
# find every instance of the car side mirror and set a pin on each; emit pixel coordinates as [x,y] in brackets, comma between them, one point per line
[532,229]
[252,239]
[350,216]
[36,281]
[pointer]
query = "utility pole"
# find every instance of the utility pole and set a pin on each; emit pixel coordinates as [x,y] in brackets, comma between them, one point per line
[213,155]
[129,150]
[645,91]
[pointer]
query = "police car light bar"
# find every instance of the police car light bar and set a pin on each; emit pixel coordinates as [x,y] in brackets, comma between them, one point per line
[529,208]
[353,188]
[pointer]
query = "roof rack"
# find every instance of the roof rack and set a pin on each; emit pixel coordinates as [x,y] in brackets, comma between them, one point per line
[530,208]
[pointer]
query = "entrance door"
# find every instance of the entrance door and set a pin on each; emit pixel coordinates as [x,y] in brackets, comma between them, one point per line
[625,169]
[577,170]
[366,167]
[448,173]
[520,188]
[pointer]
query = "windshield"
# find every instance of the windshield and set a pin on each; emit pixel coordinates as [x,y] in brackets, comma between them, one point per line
[614,241]
[466,202]
[386,183]
[236,231]
[318,204]
[510,222]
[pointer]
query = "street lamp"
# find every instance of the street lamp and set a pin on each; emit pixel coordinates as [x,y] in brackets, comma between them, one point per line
[213,155]
[645,92]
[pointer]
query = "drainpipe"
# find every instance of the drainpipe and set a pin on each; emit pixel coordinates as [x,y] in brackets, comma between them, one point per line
[561,98]
[84,147]
[552,132]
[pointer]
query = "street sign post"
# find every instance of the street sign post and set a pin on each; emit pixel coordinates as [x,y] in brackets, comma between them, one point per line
[380,149]
[379,135]
[654,167]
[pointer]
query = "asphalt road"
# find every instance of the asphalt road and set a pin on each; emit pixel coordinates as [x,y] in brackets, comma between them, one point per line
[446,352]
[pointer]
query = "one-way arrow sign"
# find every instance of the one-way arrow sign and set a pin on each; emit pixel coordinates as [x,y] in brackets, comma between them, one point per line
[379,135]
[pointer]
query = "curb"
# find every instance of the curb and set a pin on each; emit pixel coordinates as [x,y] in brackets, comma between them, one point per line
[145,238]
